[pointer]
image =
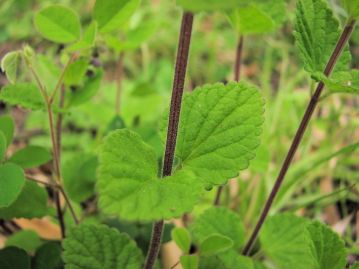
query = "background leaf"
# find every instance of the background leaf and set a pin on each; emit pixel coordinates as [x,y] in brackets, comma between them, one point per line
[31,156]
[3,145]
[7,126]
[10,65]
[100,247]
[25,239]
[189,261]
[14,258]
[209,5]
[11,183]
[215,244]
[48,256]
[182,238]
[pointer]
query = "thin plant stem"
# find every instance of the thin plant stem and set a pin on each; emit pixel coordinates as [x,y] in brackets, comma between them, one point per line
[59,122]
[237,77]
[343,40]
[119,78]
[47,184]
[173,122]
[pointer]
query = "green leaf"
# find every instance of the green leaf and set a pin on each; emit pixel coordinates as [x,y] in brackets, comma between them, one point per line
[76,71]
[342,82]
[189,261]
[31,203]
[48,256]
[258,17]
[26,95]
[316,34]
[209,5]
[128,184]
[182,238]
[219,130]
[100,247]
[10,65]
[58,23]
[7,126]
[219,220]
[215,244]
[3,145]
[352,7]
[31,156]
[111,14]
[229,259]
[328,249]
[14,258]
[11,183]
[139,35]
[25,239]
[355,266]
[79,175]
[285,241]
[88,39]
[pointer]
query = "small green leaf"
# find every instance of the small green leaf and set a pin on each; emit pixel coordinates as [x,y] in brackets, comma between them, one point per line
[215,244]
[342,82]
[316,34]
[14,258]
[31,203]
[285,241]
[100,247]
[25,239]
[88,39]
[31,156]
[182,238]
[58,23]
[229,259]
[352,7]
[79,174]
[75,73]
[219,220]
[111,14]
[209,5]
[48,256]
[11,183]
[10,65]
[129,187]
[189,261]
[220,129]
[7,126]
[328,249]
[3,145]
[25,95]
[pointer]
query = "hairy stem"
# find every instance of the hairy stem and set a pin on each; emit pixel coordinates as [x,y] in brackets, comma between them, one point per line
[173,121]
[237,77]
[343,40]
[119,77]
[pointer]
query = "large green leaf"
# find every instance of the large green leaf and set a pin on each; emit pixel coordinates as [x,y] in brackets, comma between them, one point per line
[58,23]
[10,65]
[31,156]
[31,203]
[7,126]
[219,130]
[14,258]
[219,220]
[111,14]
[129,186]
[328,249]
[48,256]
[209,5]
[100,247]
[12,181]
[26,95]
[316,34]
[79,174]
[284,240]
[25,239]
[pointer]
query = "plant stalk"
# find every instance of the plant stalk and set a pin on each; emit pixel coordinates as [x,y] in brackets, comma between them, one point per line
[173,122]
[343,40]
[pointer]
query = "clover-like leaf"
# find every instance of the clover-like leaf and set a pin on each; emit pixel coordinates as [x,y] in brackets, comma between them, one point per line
[182,238]
[209,5]
[10,65]
[316,33]
[219,220]
[12,181]
[328,249]
[219,131]
[26,95]
[31,156]
[88,39]
[58,24]
[129,186]
[7,126]
[111,14]
[100,247]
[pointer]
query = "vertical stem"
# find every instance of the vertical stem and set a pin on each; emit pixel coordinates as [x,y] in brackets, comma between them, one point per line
[173,121]
[59,122]
[119,76]
[237,77]
[237,66]
[300,132]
